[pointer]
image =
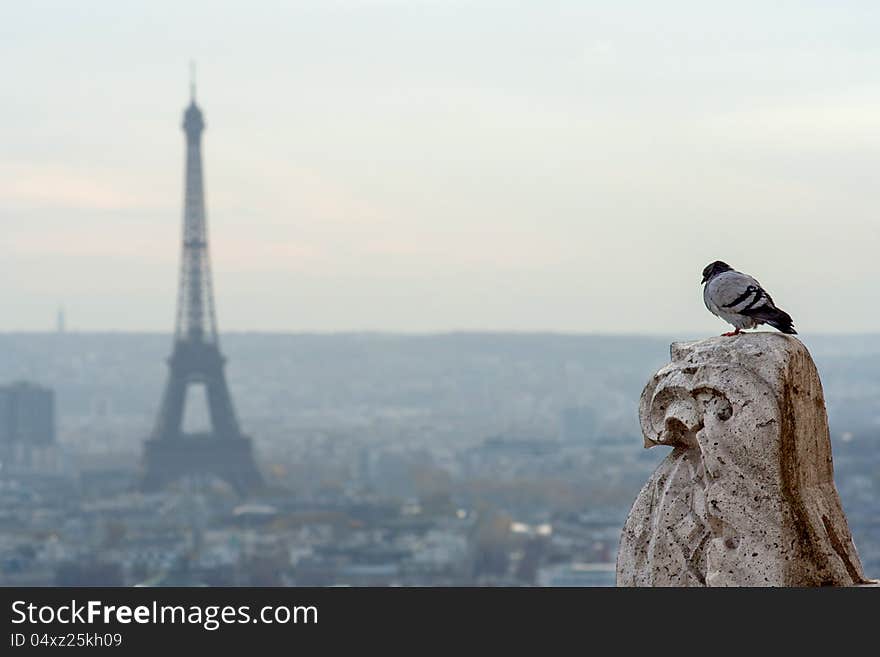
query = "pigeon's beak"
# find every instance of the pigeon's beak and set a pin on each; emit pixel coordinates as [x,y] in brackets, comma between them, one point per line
[705,278]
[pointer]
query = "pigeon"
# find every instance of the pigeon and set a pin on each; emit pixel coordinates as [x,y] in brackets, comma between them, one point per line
[740,300]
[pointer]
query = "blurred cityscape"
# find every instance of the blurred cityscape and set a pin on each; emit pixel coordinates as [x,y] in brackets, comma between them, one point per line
[442,460]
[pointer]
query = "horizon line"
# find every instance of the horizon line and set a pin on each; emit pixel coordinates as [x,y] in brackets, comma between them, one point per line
[425,333]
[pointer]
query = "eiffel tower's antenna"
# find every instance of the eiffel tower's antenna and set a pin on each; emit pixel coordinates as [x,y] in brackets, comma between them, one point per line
[192,80]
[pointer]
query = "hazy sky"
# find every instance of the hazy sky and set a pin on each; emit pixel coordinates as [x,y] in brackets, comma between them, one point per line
[423,165]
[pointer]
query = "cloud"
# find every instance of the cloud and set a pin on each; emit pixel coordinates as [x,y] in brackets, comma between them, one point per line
[830,123]
[27,187]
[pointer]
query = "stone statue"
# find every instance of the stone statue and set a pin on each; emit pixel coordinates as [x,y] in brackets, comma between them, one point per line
[747,496]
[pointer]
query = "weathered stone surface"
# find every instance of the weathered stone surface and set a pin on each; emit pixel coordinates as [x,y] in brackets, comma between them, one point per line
[747,496]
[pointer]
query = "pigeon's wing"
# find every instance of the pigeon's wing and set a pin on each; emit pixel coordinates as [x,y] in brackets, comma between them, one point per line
[733,292]
[766,312]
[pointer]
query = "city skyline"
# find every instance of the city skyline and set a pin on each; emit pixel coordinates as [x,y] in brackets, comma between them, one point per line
[368,158]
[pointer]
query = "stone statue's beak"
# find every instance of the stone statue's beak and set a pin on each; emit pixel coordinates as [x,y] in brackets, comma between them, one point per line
[677,431]
[678,422]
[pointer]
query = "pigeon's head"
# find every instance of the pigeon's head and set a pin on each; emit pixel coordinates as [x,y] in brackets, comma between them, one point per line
[714,269]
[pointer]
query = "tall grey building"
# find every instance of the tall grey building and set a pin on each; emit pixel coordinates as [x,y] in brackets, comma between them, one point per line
[27,415]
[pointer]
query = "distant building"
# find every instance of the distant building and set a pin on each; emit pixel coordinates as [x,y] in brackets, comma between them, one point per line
[576,575]
[507,456]
[27,415]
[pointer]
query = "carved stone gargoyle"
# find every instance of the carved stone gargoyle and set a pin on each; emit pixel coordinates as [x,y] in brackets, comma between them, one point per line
[747,496]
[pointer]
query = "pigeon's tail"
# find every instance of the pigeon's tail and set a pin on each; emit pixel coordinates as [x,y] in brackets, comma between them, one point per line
[785,326]
[778,319]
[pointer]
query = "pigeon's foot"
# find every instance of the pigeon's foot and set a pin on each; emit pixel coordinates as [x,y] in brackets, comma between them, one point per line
[731,333]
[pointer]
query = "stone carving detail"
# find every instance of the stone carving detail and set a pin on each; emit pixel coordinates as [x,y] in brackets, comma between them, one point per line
[747,496]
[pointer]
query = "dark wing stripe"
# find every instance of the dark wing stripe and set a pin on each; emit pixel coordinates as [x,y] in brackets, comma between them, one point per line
[760,295]
[742,297]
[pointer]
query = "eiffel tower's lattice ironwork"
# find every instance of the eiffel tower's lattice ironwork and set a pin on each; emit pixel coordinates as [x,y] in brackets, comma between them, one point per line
[224,451]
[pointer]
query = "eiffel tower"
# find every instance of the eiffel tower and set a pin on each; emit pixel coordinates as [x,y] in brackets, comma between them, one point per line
[224,452]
